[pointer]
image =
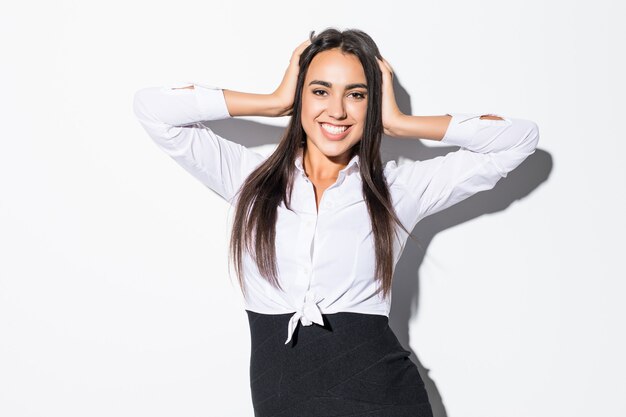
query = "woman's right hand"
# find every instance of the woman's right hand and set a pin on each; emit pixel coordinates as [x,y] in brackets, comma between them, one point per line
[286,91]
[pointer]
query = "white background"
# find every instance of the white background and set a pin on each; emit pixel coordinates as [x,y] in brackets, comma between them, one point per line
[115,298]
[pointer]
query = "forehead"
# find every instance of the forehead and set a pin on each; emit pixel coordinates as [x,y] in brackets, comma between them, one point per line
[337,67]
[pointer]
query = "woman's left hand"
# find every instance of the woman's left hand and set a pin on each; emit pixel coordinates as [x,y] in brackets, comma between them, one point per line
[391,112]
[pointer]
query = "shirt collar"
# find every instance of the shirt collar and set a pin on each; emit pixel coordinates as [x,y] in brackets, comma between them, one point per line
[354,162]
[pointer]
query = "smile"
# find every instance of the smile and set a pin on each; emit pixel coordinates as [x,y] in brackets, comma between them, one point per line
[335,132]
[334,129]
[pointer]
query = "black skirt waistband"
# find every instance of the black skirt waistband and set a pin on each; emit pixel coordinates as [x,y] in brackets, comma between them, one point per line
[359,325]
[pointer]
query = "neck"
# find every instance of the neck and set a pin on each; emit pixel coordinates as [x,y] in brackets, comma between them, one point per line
[321,167]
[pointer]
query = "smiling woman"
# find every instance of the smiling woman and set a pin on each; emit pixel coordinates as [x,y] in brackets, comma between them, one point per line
[334,109]
[320,224]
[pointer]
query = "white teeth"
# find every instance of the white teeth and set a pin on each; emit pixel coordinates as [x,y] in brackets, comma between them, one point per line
[335,130]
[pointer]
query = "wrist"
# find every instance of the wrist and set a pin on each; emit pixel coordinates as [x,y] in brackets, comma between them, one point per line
[396,126]
[279,106]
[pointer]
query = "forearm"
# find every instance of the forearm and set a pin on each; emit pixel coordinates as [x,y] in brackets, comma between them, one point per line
[425,127]
[420,127]
[249,104]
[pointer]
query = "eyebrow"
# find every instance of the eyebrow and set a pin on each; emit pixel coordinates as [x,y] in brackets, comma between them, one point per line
[329,85]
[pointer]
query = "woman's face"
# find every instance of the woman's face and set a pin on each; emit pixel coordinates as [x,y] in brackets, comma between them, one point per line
[334,104]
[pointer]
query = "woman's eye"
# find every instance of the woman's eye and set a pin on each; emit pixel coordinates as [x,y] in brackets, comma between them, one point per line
[315,92]
[357,95]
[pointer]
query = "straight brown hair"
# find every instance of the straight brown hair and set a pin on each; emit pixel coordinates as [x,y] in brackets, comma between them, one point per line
[271,183]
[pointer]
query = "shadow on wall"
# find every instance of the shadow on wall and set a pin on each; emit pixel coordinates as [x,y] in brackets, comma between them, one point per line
[405,302]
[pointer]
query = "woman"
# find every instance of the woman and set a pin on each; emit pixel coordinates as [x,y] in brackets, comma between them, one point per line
[321,223]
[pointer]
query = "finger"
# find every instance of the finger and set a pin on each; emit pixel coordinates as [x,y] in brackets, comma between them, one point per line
[303,46]
[384,67]
[388,66]
[381,65]
[295,56]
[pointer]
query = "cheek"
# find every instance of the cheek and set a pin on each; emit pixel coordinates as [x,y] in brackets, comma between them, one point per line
[307,118]
[360,114]
[311,108]
[359,111]
[309,112]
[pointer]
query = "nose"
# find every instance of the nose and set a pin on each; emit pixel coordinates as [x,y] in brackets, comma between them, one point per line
[337,108]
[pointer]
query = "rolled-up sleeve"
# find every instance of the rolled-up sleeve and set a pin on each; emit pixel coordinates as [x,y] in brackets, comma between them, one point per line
[489,150]
[172,116]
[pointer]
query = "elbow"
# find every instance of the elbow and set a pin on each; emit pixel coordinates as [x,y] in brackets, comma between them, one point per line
[139,104]
[509,159]
[532,137]
[146,103]
[528,137]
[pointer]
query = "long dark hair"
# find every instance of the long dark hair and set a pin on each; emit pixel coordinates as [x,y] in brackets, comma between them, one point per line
[254,224]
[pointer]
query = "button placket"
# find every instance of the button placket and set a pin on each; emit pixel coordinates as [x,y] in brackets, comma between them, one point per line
[309,228]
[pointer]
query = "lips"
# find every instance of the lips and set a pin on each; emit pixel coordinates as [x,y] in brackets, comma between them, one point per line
[335,132]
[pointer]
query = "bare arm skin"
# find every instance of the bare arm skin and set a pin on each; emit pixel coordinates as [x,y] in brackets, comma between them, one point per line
[278,103]
[250,104]
[401,125]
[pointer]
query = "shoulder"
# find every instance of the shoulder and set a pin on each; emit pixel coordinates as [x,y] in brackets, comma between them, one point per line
[391,171]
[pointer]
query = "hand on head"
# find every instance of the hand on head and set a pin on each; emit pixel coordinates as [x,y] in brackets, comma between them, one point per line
[286,91]
[391,112]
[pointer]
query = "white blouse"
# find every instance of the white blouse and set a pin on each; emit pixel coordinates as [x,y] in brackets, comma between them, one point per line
[326,259]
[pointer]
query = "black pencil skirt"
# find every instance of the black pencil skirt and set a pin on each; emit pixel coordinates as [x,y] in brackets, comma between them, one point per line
[353,366]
